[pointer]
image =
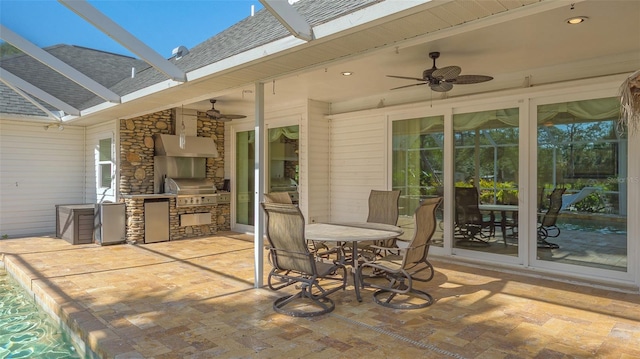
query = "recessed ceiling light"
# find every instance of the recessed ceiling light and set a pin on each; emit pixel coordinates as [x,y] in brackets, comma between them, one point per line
[576,20]
[347,73]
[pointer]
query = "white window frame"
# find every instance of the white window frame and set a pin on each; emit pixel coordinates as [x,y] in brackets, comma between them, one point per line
[105,192]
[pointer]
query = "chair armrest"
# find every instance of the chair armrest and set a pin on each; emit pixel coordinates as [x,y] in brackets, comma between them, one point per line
[386,248]
[325,253]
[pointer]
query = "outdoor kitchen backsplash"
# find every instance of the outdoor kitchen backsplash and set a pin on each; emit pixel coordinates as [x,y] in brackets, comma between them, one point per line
[137,176]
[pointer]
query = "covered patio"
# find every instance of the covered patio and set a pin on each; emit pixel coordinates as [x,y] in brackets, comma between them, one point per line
[195,298]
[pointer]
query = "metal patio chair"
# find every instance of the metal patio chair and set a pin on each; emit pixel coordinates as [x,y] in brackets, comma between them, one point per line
[470,225]
[547,226]
[383,208]
[294,264]
[277,197]
[411,264]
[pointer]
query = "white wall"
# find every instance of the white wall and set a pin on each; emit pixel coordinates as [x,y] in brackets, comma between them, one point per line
[358,163]
[38,169]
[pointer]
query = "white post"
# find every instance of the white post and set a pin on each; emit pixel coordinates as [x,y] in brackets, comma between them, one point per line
[259,186]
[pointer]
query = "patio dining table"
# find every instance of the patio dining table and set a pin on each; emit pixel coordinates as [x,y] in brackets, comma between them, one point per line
[503,209]
[351,232]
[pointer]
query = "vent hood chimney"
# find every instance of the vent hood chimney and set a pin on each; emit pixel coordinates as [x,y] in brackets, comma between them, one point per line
[169,145]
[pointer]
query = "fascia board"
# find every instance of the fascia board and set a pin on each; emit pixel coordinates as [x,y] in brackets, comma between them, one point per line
[150,90]
[130,97]
[369,14]
[97,108]
[244,58]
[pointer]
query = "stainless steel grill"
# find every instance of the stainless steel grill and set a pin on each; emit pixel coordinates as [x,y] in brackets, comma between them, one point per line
[191,192]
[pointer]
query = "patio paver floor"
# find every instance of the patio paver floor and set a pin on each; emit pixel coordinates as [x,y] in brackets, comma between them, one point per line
[195,299]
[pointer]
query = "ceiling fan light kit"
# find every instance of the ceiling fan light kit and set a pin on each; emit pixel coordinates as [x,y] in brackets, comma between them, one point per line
[443,79]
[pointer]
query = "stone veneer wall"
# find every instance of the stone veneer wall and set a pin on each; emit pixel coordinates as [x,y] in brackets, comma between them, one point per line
[137,176]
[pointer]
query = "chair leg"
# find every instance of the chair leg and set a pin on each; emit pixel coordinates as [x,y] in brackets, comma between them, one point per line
[542,239]
[306,304]
[411,299]
[399,295]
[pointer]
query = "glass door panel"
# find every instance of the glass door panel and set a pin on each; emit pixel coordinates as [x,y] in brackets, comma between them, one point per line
[283,161]
[486,160]
[417,165]
[583,154]
[244,177]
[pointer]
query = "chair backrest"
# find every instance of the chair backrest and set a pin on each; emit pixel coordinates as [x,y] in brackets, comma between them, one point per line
[555,204]
[285,233]
[277,197]
[383,207]
[425,227]
[466,206]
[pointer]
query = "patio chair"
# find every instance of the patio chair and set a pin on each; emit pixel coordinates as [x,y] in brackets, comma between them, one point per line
[383,208]
[277,197]
[470,225]
[547,226]
[411,264]
[293,263]
[284,198]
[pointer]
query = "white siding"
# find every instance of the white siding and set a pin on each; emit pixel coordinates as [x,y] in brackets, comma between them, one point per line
[93,136]
[38,169]
[314,162]
[358,164]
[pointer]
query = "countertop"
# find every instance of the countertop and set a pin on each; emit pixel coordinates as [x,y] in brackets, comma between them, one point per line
[160,195]
[153,195]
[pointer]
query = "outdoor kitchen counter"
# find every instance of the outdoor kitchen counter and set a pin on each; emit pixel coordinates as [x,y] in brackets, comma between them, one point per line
[223,197]
[146,196]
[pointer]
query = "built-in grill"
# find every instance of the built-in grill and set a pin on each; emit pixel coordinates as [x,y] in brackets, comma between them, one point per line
[191,192]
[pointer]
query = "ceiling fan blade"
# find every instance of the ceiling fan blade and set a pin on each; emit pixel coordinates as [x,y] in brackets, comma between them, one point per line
[406,78]
[401,87]
[470,79]
[216,115]
[232,117]
[441,87]
[446,73]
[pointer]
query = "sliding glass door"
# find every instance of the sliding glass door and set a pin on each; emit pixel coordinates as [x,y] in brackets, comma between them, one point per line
[486,166]
[582,154]
[418,168]
[244,178]
[282,170]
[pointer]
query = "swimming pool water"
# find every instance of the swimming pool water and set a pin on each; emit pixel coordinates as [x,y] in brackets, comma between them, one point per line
[26,331]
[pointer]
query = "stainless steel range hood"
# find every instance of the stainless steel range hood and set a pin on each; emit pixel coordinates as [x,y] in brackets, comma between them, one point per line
[169,145]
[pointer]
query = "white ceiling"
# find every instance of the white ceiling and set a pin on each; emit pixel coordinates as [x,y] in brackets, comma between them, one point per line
[541,46]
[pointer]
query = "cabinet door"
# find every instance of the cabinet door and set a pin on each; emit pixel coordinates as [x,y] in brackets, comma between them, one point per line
[156,221]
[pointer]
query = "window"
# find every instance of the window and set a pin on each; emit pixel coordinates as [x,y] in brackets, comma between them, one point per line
[105,163]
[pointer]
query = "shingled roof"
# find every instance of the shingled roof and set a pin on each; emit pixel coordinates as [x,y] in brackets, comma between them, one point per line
[114,71]
[103,67]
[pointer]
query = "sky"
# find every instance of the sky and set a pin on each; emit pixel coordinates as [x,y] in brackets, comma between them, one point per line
[161,24]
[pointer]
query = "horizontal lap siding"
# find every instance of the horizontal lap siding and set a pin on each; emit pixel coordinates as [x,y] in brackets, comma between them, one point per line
[38,169]
[358,164]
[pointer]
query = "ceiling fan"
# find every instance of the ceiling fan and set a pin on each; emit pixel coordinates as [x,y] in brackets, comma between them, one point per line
[216,115]
[443,79]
